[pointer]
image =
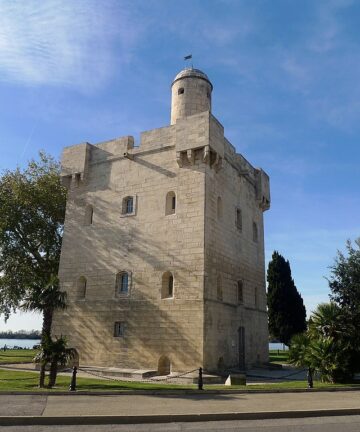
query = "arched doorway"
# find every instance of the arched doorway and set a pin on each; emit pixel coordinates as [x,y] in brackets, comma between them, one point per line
[164,365]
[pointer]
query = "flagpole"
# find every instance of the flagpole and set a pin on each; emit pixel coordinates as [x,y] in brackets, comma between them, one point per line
[188,57]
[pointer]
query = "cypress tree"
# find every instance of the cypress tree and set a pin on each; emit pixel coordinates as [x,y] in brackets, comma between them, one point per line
[287,313]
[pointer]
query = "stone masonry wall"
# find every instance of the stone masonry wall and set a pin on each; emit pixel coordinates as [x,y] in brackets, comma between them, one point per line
[146,245]
[201,245]
[231,255]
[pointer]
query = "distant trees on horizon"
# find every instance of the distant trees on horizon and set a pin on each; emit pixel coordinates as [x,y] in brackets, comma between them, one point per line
[20,334]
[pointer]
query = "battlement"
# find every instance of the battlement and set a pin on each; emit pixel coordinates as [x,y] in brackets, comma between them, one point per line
[200,134]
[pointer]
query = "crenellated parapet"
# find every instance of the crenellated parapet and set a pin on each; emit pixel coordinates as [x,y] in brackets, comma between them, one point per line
[199,133]
[262,188]
[75,164]
[76,160]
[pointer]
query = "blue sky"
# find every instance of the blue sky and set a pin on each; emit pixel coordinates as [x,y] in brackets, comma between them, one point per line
[286,88]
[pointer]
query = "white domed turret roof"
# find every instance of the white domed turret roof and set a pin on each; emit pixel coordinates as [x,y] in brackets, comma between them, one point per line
[192,73]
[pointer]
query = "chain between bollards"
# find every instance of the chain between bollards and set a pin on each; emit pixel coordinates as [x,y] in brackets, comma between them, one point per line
[73,380]
[200,380]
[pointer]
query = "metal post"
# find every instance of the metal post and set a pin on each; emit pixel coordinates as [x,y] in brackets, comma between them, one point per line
[73,380]
[310,379]
[200,381]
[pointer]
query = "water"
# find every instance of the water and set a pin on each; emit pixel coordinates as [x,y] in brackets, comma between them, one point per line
[23,343]
[277,346]
[29,343]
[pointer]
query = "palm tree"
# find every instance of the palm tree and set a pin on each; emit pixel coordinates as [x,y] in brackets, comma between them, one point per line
[326,320]
[300,354]
[60,354]
[43,357]
[325,346]
[324,355]
[298,350]
[45,300]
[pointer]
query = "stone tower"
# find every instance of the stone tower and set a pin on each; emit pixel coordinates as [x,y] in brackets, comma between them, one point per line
[190,94]
[163,248]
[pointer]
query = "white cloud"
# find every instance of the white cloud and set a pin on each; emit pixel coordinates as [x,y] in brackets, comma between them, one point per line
[63,42]
[326,35]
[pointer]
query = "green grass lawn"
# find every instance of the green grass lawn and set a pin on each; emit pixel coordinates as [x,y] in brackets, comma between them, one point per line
[17,356]
[278,356]
[22,381]
[28,381]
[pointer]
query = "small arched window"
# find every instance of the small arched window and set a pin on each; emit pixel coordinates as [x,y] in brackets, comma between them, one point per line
[255,232]
[122,283]
[81,287]
[170,205]
[167,287]
[128,207]
[240,292]
[181,91]
[219,208]
[89,212]
[219,291]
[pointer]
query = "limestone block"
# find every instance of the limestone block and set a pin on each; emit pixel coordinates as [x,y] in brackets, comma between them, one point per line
[235,379]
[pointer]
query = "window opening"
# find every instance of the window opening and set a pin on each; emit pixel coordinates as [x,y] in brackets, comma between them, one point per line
[122,280]
[89,212]
[219,292]
[239,219]
[181,91]
[81,287]
[171,286]
[77,179]
[240,292]
[167,289]
[129,205]
[170,204]
[119,329]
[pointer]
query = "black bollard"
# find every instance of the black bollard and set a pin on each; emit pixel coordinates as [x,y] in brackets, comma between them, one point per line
[200,381]
[73,380]
[310,379]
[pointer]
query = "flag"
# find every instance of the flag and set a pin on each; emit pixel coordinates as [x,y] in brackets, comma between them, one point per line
[188,57]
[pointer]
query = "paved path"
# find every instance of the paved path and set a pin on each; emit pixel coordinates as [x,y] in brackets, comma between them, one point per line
[324,424]
[82,405]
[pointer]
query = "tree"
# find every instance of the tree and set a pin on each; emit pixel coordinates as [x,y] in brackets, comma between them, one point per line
[344,283]
[32,211]
[60,354]
[287,313]
[323,347]
[333,337]
[325,321]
